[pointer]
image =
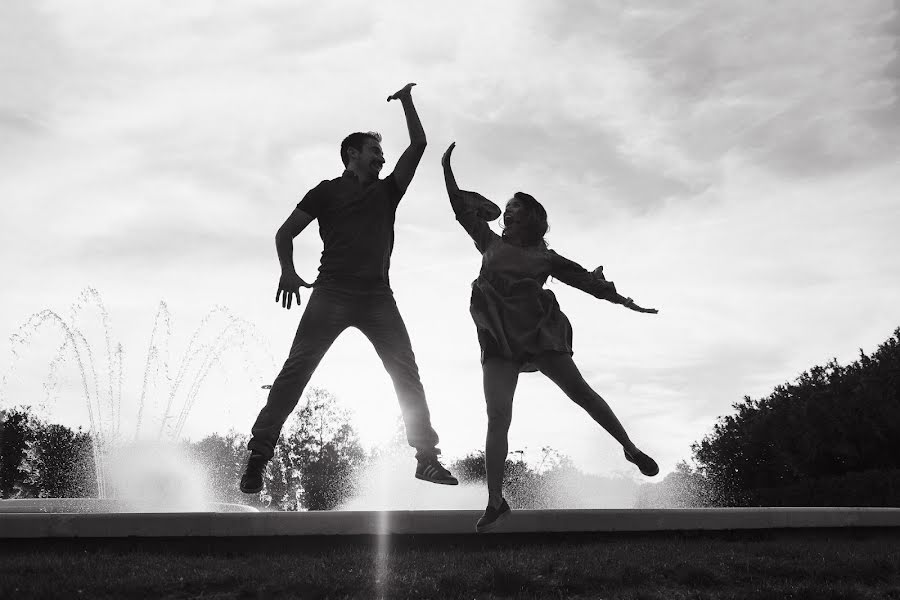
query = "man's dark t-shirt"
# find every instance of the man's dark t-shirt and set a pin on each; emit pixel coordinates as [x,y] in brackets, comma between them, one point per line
[357,229]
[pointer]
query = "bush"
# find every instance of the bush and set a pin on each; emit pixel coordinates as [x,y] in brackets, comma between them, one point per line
[832,421]
[874,487]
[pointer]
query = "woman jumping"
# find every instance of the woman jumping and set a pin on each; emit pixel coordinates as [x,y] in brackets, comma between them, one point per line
[521,327]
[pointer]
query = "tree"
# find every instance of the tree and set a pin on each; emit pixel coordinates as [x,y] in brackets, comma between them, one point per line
[524,486]
[40,460]
[685,487]
[62,463]
[830,422]
[470,468]
[282,490]
[313,466]
[17,434]
[223,457]
[323,451]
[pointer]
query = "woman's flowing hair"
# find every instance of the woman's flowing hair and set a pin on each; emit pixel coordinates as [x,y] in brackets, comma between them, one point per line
[536,220]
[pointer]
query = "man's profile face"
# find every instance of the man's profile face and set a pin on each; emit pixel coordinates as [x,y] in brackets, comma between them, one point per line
[370,159]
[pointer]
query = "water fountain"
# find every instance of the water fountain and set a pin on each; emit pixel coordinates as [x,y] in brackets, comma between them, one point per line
[129,467]
[139,477]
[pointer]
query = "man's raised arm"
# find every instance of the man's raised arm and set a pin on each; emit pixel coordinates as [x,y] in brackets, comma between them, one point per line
[409,160]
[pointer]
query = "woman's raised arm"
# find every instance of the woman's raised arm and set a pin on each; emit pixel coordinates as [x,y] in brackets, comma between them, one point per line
[465,207]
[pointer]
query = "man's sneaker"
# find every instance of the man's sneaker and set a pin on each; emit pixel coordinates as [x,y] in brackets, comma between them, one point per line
[646,464]
[432,470]
[252,479]
[492,517]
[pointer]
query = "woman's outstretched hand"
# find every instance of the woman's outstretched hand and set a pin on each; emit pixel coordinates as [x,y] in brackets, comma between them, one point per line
[449,179]
[629,303]
[445,159]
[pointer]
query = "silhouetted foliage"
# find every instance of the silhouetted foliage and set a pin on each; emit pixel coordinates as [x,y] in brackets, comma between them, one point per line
[530,487]
[223,457]
[554,482]
[62,464]
[832,421]
[685,487]
[323,449]
[17,433]
[314,465]
[875,487]
[40,460]
[315,462]
[470,468]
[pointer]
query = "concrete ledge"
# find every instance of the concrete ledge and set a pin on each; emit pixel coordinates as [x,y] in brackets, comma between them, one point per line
[97,505]
[426,522]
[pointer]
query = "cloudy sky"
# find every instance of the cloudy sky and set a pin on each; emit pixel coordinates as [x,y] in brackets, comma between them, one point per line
[733,164]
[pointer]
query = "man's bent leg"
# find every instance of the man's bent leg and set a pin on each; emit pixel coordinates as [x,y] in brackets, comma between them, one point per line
[384,327]
[325,317]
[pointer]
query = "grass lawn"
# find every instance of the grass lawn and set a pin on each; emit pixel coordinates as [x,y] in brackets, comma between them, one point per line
[819,565]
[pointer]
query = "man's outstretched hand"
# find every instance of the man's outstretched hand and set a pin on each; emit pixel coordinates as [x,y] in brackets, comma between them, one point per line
[288,287]
[405,92]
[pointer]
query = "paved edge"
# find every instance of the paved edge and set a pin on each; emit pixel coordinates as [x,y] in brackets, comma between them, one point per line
[430,522]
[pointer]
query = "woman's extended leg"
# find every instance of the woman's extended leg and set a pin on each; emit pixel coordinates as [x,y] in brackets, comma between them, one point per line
[500,378]
[561,370]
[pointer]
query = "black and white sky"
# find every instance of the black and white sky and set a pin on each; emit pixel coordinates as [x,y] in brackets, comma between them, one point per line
[734,164]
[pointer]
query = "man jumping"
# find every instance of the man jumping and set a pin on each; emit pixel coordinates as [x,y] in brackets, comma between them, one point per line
[356,222]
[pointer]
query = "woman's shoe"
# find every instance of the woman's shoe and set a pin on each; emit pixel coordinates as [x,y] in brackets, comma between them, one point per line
[492,517]
[646,464]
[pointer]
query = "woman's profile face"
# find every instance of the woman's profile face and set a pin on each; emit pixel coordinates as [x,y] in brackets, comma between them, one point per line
[514,212]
